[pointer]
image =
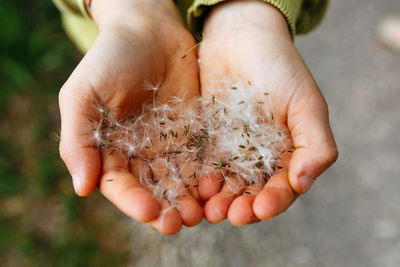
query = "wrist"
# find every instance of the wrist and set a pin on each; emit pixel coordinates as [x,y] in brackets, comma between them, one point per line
[234,16]
[108,13]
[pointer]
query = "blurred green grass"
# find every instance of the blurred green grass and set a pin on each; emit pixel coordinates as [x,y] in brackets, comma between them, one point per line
[42,222]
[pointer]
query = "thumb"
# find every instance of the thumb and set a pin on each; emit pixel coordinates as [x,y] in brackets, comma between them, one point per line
[78,149]
[315,147]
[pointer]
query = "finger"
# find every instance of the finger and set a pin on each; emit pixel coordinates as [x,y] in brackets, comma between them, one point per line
[125,191]
[277,195]
[77,149]
[308,122]
[241,210]
[176,191]
[190,210]
[209,185]
[169,221]
[216,209]
[189,172]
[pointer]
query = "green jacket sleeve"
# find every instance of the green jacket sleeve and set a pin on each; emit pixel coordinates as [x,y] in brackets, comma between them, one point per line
[302,16]
[77,23]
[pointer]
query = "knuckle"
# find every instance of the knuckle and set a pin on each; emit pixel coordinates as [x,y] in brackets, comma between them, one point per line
[331,155]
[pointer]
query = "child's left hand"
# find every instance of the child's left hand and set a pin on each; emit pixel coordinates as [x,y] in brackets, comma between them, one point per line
[250,41]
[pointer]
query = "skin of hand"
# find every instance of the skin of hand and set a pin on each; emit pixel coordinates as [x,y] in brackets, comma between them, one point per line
[139,41]
[250,41]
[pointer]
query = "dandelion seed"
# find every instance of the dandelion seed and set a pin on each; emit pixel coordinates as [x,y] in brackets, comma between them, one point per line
[259,164]
[251,143]
[151,87]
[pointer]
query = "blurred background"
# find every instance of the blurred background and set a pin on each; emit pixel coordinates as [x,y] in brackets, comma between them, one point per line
[351,217]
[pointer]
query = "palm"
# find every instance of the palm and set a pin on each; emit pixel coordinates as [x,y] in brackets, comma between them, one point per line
[259,57]
[116,69]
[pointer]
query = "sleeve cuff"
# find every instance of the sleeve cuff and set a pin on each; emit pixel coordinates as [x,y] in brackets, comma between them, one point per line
[82,7]
[77,23]
[75,7]
[289,8]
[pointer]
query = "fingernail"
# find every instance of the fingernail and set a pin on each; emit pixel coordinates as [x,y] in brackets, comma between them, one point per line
[305,183]
[77,182]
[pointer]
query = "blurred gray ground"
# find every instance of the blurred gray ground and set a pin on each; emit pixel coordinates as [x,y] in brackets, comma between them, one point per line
[351,217]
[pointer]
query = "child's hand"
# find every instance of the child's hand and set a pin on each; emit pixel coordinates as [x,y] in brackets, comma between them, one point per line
[249,41]
[139,41]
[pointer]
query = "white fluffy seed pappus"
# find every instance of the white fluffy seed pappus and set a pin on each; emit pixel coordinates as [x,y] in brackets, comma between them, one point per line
[234,133]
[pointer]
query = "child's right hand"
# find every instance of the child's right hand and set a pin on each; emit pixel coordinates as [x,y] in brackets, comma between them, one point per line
[137,42]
